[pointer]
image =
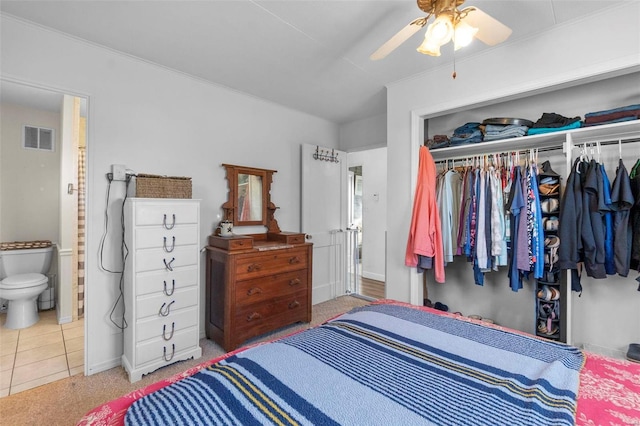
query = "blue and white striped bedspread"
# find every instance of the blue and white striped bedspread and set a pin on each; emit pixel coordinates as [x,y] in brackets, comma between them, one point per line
[379,365]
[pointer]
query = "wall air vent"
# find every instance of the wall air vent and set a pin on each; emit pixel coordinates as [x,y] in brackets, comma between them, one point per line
[37,138]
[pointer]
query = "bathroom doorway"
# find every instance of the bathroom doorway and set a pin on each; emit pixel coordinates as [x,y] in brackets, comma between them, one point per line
[43,197]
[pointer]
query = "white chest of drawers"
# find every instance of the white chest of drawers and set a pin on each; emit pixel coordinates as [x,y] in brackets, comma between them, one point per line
[161,283]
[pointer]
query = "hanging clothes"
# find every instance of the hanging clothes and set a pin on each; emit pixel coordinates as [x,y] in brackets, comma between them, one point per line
[425,237]
[592,226]
[604,205]
[516,206]
[570,225]
[634,219]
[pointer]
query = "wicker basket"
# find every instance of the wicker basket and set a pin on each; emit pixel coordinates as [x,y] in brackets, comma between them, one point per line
[155,186]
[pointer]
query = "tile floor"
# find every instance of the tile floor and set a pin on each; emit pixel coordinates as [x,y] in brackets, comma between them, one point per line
[40,354]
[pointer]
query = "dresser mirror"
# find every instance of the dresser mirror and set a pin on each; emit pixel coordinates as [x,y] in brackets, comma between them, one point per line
[249,198]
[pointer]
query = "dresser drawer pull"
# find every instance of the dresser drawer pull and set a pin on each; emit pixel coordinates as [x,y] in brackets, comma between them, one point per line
[164,329]
[253,316]
[167,226]
[168,266]
[254,290]
[295,281]
[173,245]
[173,352]
[254,267]
[165,308]
[294,304]
[173,287]
[294,259]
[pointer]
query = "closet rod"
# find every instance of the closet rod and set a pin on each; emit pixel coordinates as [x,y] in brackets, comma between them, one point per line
[542,149]
[519,151]
[606,142]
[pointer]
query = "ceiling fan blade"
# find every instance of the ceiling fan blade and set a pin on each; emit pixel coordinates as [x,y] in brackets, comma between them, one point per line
[490,30]
[400,37]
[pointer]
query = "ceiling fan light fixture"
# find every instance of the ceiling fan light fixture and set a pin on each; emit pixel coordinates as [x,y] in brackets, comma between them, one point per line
[429,48]
[463,35]
[441,30]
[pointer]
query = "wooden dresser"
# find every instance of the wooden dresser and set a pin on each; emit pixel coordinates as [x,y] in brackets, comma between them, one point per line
[256,284]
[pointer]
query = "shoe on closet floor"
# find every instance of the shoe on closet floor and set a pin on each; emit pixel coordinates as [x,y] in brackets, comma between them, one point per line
[633,354]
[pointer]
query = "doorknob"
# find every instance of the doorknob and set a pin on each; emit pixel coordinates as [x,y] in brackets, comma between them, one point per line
[308,237]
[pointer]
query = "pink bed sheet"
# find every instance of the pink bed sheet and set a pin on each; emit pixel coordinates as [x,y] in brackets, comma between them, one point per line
[609,392]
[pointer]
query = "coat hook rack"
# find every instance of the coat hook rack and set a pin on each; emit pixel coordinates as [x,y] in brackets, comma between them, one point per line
[325,155]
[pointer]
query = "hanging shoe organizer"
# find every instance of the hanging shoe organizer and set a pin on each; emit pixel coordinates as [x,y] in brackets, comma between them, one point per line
[548,288]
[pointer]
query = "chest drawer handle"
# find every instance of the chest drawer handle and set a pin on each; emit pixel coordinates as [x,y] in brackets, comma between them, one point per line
[173,245]
[294,259]
[254,290]
[173,352]
[254,267]
[173,287]
[294,304]
[295,281]
[165,308]
[168,266]
[164,329]
[253,316]
[166,225]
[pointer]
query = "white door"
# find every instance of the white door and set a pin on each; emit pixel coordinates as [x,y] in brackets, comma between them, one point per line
[323,217]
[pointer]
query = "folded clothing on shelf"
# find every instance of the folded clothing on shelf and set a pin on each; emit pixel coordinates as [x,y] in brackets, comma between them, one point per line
[496,131]
[552,122]
[615,115]
[438,141]
[467,133]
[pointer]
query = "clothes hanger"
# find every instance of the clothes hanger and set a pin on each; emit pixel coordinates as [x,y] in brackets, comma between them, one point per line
[620,149]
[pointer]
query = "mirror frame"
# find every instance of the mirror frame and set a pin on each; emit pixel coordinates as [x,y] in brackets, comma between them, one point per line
[231,206]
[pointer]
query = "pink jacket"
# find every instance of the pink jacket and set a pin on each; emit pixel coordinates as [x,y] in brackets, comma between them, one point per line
[425,235]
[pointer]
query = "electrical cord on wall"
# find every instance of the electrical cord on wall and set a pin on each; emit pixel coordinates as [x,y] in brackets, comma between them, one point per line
[124,253]
[106,229]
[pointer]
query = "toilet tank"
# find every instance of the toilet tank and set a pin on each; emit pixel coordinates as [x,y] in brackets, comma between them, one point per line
[24,261]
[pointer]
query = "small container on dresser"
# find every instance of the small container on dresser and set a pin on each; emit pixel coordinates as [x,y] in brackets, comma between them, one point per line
[161,283]
[256,284]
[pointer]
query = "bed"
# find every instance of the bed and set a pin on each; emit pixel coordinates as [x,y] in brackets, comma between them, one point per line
[392,363]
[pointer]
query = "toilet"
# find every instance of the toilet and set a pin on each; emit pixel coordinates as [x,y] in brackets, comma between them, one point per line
[22,279]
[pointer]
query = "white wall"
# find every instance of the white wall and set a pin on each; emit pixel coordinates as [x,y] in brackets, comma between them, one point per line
[370,132]
[506,72]
[374,209]
[29,178]
[154,120]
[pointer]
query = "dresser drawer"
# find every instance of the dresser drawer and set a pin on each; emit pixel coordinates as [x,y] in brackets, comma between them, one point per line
[270,262]
[166,239]
[166,281]
[264,317]
[165,351]
[166,327]
[158,259]
[265,288]
[159,305]
[166,214]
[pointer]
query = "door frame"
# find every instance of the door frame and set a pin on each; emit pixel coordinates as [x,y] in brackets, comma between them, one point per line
[87,196]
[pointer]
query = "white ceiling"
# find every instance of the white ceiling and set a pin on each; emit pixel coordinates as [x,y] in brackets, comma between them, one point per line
[311,56]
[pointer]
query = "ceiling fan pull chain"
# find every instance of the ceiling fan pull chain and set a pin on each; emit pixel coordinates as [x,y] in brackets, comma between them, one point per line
[454,75]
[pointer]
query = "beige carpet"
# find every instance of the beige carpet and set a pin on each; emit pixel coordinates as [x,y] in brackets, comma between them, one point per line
[64,402]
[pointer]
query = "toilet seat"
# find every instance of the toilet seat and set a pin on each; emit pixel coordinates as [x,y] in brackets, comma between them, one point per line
[23,281]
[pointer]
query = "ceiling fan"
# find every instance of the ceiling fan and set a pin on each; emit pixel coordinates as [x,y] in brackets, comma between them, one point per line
[449,23]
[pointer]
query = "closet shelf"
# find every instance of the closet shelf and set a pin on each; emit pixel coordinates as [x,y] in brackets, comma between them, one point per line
[606,132]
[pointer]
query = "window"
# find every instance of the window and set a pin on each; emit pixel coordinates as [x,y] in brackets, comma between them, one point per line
[37,138]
